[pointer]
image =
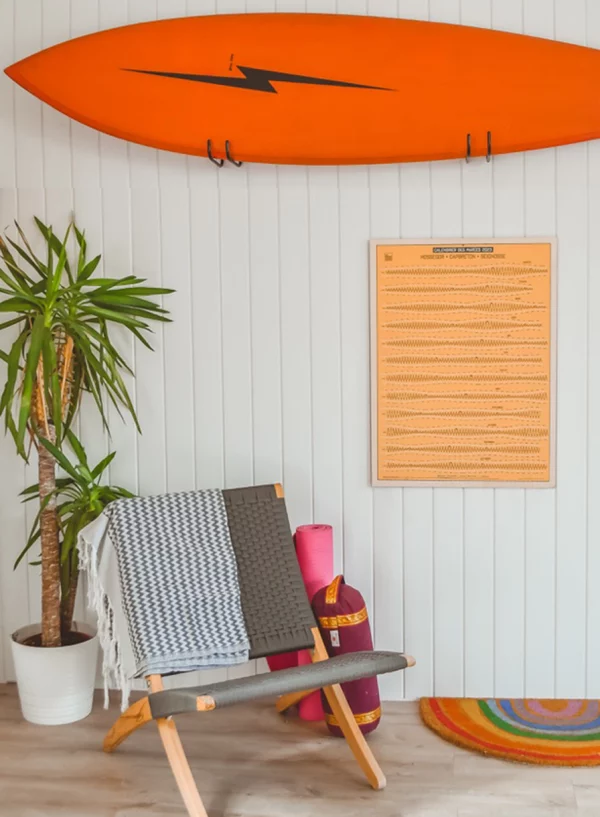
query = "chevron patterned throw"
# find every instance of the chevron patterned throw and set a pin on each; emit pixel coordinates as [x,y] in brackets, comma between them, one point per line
[163,581]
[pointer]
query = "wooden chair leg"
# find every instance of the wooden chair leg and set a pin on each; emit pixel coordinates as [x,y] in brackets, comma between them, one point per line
[287,701]
[345,718]
[355,738]
[137,715]
[177,759]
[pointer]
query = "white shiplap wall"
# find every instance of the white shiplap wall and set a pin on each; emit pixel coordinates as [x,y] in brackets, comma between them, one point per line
[264,374]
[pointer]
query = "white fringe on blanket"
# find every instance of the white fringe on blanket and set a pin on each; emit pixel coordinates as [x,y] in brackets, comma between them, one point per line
[98,559]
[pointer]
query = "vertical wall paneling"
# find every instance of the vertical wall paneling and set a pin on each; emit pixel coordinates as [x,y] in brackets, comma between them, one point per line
[85,142]
[28,109]
[179,385]
[14,586]
[295,343]
[114,167]
[417,532]
[508,15]
[477,217]
[238,326]
[509,504]
[540,506]
[7,99]
[382,8]
[476,13]
[143,161]
[478,533]
[149,365]
[296,382]
[509,592]
[117,250]
[358,497]
[237,332]
[56,126]
[509,530]
[570,19]
[572,422]
[172,166]
[572,459]
[479,591]
[207,325]
[418,589]
[324,277]
[283,5]
[84,17]
[263,211]
[355,370]
[236,310]
[537,17]
[593,407]
[448,512]
[413,9]
[265,324]
[264,373]
[141,11]
[258,6]
[540,533]
[89,216]
[387,616]
[444,11]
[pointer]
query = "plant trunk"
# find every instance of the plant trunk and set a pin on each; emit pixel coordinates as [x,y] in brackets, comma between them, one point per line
[50,548]
[68,603]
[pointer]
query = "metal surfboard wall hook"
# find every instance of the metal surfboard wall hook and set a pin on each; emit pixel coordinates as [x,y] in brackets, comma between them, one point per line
[229,157]
[221,162]
[217,162]
[489,153]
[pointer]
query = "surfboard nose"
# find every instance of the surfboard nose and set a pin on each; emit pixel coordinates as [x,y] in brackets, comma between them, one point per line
[18,72]
[11,71]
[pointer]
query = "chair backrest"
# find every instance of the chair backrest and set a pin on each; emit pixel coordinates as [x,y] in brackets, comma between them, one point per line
[276,609]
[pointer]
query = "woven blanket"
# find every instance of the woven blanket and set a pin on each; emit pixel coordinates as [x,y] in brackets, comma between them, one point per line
[163,582]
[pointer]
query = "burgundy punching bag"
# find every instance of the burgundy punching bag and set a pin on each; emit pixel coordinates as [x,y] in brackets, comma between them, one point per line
[344,624]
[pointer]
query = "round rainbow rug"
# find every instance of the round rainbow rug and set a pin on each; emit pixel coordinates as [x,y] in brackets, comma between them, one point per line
[548,732]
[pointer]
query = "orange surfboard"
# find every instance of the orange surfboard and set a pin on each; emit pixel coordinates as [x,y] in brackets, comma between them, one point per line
[321,89]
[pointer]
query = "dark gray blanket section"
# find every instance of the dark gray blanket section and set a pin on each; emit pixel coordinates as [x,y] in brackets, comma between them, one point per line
[276,609]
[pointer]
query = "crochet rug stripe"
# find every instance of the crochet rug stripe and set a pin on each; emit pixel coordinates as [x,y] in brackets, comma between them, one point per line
[525,730]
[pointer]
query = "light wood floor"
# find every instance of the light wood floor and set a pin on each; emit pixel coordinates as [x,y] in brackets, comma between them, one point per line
[249,762]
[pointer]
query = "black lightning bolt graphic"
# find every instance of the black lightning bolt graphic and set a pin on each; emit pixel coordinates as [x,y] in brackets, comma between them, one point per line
[257,79]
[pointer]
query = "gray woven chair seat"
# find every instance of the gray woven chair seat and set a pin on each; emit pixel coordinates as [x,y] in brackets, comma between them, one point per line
[336,670]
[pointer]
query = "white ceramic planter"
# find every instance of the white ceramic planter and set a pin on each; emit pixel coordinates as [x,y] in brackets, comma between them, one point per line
[56,686]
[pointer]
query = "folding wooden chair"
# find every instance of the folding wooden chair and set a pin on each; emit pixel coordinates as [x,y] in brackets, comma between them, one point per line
[278,619]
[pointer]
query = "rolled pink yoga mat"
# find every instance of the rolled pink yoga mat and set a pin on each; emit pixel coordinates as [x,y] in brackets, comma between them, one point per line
[314,549]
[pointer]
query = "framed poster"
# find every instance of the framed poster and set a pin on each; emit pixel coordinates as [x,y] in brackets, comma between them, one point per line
[463,362]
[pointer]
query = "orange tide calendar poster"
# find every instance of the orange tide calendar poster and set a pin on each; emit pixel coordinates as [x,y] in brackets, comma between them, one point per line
[463,351]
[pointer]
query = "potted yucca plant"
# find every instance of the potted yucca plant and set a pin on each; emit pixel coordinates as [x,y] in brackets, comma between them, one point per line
[62,317]
[80,498]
